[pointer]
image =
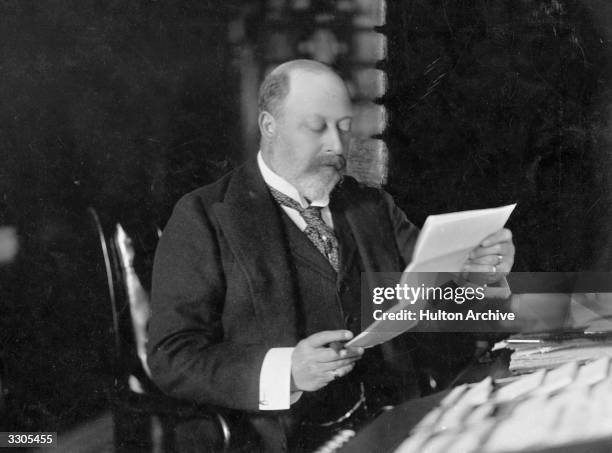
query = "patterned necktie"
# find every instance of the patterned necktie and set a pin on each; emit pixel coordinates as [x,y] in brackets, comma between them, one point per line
[319,233]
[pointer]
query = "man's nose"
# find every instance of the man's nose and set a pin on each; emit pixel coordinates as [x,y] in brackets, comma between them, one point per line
[334,141]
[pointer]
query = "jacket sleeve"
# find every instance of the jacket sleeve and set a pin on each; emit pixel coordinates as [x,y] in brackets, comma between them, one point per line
[188,354]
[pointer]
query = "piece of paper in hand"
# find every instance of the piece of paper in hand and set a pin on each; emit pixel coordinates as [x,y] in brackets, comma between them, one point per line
[447,239]
[443,246]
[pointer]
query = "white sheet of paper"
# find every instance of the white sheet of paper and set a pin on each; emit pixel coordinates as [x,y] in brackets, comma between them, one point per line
[442,246]
[447,239]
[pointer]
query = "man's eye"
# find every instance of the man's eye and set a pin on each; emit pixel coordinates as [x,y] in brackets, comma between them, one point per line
[344,126]
[317,127]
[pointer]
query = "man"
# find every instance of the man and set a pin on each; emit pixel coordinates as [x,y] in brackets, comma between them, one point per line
[257,277]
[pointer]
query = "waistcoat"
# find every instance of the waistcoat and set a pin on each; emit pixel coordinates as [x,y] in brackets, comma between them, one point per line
[326,300]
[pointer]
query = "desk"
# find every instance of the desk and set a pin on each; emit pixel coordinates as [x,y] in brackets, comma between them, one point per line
[387,431]
[390,429]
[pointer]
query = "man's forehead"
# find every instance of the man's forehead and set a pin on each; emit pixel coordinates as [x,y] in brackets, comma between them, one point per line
[317,93]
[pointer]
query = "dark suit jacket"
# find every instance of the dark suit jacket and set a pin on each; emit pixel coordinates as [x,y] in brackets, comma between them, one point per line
[223,293]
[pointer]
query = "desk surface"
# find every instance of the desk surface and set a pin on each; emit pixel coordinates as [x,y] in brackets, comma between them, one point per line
[386,432]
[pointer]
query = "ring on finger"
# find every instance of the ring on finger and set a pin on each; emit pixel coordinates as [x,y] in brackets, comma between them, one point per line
[494,269]
[500,258]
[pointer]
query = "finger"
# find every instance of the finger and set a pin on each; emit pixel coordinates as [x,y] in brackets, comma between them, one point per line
[501,256]
[353,352]
[479,277]
[490,260]
[330,366]
[324,354]
[340,372]
[336,346]
[487,269]
[501,248]
[349,353]
[503,235]
[501,263]
[325,337]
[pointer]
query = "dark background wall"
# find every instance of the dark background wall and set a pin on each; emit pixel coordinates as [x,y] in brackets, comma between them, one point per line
[121,105]
[500,101]
[126,105]
[104,99]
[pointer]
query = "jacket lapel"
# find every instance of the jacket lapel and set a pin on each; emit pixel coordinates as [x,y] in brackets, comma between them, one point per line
[373,232]
[346,241]
[251,222]
[370,225]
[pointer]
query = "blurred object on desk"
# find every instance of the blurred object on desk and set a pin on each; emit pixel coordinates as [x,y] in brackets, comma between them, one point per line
[534,351]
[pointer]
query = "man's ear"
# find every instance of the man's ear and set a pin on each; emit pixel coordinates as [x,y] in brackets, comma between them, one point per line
[267,125]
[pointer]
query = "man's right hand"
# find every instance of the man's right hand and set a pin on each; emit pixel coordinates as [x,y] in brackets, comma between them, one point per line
[314,363]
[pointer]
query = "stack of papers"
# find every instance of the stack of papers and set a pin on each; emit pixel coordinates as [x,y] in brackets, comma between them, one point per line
[530,353]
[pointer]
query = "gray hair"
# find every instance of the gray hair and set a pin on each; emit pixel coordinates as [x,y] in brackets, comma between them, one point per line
[273,91]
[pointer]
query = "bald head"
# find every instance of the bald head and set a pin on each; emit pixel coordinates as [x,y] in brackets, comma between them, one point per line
[277,84]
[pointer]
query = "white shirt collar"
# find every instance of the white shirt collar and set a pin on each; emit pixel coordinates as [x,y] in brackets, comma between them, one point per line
[282,185]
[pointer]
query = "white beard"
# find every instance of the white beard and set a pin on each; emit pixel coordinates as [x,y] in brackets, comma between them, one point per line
[317,187]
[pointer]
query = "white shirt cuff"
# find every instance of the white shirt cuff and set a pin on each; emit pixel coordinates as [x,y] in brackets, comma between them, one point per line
[275,381]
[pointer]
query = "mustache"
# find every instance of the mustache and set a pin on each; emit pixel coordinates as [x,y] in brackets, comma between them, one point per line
[336,160]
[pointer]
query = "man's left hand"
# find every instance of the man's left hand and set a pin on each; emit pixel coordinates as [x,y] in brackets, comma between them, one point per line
[491,260]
